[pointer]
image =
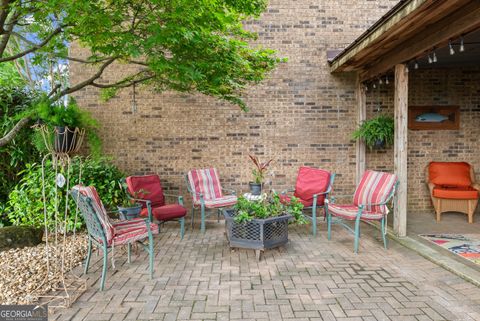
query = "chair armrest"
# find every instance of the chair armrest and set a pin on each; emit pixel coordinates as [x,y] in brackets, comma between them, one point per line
[148,203]
[476,186]
[178,197]
[335,197]
[230,190]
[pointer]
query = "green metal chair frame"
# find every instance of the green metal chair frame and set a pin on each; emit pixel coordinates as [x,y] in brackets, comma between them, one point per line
[314,206]
[203,213]
[97,236]
[148,204]
[361,207]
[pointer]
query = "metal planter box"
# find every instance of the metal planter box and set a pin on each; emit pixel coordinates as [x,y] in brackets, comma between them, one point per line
[258,234]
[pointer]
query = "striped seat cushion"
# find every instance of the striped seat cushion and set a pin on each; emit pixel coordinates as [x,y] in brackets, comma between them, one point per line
[374,188]
[349,212]
[91,192]
[228,200]
[131,231]
[206,182]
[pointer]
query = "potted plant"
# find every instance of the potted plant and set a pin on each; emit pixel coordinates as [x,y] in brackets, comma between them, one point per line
[258,175]
[261,224]
[377,132]
[65,122]
[128,208]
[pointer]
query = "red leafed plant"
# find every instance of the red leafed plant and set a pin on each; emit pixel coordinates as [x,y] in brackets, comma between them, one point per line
[260,169]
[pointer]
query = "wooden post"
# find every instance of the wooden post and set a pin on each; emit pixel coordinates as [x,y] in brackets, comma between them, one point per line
[361,116]
[401,142]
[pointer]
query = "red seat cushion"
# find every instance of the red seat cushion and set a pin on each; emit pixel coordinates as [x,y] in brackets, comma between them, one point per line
[166,212]
[133,230]
[453,174]
[460,193]
[152,187]
[311,181]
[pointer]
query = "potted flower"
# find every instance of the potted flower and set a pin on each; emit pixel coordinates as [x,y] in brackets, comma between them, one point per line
[261,224]
[377,132]
[258,175]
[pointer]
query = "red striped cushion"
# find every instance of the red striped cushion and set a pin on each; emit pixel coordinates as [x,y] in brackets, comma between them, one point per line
[206,182]
[374,188]
[228,200]
[131,231]
[97,204]
[349,212]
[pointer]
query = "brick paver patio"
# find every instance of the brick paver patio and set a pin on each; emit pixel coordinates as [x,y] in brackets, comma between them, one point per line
[311,278]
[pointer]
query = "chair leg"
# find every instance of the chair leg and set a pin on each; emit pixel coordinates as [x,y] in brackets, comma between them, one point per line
[182,227]
[193,214]
[329,225]
[202,223]
[104,270]
[89,254]
[384,236]
[314,220]
[129,253]
[357,235]
[150,253]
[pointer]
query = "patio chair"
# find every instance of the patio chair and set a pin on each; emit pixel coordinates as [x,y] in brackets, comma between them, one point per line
[369,204]
[311,188]
[153,200]
[452,188]
[207,193]
[106,235]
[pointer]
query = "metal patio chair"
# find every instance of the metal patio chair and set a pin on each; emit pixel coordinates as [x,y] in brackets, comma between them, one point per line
[207,193]
[106,235]
[153,200]
[311,188]
[370,201]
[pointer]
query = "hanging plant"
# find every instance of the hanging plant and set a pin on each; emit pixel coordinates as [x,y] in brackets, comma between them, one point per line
[377,132]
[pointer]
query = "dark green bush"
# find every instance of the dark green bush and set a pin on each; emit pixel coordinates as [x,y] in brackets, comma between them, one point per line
[25,204]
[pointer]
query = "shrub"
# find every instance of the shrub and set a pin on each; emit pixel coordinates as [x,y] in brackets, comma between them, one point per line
[25,204]
[14,99]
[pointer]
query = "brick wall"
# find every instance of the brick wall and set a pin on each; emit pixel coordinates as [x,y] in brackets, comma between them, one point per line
[300,115]
[454,86]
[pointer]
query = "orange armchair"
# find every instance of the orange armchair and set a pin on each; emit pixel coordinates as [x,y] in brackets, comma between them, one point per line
[452,188]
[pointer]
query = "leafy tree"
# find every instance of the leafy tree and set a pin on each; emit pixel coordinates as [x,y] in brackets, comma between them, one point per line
[183,45]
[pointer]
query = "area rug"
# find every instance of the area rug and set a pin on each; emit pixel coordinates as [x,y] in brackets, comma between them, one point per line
[464,245]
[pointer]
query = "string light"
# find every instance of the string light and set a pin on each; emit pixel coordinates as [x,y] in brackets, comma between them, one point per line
[415,66]
[434,58]
[430,59]
[380,81]
[386,80]
[452,51]
[462,45]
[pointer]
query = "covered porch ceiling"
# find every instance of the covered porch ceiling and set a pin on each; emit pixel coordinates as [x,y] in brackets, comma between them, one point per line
[411,31]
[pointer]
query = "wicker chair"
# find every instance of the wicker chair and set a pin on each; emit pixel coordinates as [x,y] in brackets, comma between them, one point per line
[452,193]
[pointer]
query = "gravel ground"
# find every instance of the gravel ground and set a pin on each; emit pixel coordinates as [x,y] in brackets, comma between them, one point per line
[24,271]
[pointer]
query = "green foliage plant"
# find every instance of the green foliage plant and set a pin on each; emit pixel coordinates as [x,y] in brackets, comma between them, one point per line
[269,206]
[260,169]
[377,129]
[25,203]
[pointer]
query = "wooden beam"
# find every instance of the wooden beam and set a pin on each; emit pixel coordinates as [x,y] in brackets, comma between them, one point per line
[361,117]
[464,20]
[400,148]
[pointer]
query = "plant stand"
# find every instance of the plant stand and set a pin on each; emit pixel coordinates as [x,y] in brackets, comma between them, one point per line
[256,234]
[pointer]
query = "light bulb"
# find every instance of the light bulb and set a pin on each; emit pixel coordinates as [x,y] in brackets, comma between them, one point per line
[380,81]
[452,51]
[430,59]
[434,57]
[386,80]
[462,46]
[415,66]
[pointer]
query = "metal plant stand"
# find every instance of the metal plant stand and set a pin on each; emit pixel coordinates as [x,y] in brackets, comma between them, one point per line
[61,144]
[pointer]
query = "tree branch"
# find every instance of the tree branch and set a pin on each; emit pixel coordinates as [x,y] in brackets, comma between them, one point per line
[14,131]
[3,14]
[86,82]
[33,48]
[123,83]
